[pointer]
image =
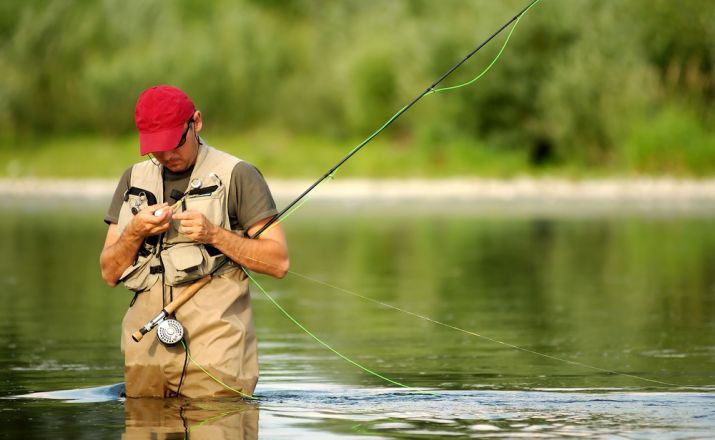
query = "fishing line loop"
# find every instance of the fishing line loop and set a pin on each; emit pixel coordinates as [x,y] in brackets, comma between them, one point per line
[300,201]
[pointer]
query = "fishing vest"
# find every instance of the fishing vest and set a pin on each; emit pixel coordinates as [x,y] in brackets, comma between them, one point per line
[172,255]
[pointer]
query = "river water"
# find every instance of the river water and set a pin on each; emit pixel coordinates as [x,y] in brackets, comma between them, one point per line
[503,323]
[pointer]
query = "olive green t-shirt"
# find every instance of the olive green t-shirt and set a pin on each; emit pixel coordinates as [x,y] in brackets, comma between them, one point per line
[250,199]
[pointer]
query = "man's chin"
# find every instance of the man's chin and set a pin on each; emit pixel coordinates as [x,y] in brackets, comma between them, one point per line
[176,167]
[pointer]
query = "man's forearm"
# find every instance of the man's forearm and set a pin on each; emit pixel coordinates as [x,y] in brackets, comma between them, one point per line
[264,255]
[116,257]
[120,250]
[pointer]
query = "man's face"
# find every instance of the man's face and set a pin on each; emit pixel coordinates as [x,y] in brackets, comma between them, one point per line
[184,155]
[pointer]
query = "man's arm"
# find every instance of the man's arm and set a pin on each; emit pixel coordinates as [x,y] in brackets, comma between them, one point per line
[266,254]
[120,250]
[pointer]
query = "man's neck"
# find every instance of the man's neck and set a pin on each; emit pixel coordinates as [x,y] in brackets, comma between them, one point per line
[167,174]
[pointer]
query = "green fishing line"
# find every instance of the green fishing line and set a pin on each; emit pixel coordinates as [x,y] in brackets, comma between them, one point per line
[331,174]
[208,373]
[320,341]
[443,89]
[487,338]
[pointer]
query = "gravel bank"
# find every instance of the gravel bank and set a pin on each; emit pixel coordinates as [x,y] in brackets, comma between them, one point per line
[654,193]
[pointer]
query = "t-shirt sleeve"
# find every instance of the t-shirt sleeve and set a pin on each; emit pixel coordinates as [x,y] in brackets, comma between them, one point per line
[250,199]
[118,198]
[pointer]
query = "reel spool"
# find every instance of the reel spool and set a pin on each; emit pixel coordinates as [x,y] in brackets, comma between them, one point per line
[169,331]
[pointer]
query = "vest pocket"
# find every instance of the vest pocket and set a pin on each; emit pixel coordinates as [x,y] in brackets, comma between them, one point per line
[182,263]
[210,204]
[139,277]
[186,262]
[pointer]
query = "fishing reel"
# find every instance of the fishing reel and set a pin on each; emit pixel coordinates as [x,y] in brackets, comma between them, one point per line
[169,331]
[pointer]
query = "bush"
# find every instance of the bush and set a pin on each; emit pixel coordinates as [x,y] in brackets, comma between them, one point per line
[575,85]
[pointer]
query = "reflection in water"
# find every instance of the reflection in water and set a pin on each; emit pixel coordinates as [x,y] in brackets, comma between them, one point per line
[190,419]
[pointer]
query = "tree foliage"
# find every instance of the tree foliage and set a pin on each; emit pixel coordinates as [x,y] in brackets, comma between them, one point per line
[580,80]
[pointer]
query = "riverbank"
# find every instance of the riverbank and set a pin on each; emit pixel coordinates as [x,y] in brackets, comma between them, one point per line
[663,194]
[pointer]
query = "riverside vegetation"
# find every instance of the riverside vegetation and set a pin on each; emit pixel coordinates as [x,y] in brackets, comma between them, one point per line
[584,86]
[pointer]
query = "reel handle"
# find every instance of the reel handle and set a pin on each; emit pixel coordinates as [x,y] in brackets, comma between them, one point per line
[171,307]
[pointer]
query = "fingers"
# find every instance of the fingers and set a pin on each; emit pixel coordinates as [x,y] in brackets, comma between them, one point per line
[161,212]
[146,222]
[158,214]
[190,220]
[188,215]
[195,226]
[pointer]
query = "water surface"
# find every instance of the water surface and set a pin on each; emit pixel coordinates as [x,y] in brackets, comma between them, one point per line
[618,305]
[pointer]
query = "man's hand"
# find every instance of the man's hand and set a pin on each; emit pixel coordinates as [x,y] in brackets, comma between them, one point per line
[152,220]
[120,249]
[196,226]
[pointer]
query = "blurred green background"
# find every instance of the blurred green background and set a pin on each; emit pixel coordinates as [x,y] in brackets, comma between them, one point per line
[585,87]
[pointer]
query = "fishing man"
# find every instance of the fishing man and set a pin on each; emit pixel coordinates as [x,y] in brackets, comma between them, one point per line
[187,212]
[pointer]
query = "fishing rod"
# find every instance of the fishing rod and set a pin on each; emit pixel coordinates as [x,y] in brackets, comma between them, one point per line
[431,89]
[171,332]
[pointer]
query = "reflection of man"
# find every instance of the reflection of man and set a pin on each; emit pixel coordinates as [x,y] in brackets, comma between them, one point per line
[156,250]
[174,418]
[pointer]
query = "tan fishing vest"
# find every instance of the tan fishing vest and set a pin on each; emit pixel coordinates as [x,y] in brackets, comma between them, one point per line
[179,259]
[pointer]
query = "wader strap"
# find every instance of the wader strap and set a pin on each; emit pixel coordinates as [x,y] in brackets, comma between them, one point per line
[136,294]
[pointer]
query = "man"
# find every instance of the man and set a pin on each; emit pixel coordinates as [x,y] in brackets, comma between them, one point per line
[187,212]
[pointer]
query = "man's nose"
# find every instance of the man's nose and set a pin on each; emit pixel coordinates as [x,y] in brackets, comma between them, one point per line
[165,155]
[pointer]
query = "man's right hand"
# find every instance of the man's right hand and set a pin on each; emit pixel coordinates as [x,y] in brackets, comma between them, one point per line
[120,250]
[147,223]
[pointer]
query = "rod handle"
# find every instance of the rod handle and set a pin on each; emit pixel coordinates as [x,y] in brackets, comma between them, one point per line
[186,295]
[137,335]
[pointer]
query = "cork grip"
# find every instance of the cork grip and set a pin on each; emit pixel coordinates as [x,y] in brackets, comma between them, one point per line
[137,335]
[186,294]
[172,306]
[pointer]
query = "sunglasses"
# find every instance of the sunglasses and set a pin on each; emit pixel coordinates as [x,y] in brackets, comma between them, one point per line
[182,141]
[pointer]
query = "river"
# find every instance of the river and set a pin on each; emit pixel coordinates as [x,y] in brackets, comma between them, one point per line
[501,323]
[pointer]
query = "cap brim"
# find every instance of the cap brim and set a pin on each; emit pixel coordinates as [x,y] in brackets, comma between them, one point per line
[164,140]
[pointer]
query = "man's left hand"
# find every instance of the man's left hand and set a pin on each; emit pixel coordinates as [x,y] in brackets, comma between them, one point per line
[196,226]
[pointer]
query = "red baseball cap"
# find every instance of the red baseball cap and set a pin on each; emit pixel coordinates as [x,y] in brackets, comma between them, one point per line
[160,116]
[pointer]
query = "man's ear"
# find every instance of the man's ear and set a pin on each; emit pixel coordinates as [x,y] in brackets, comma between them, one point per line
[197,121]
